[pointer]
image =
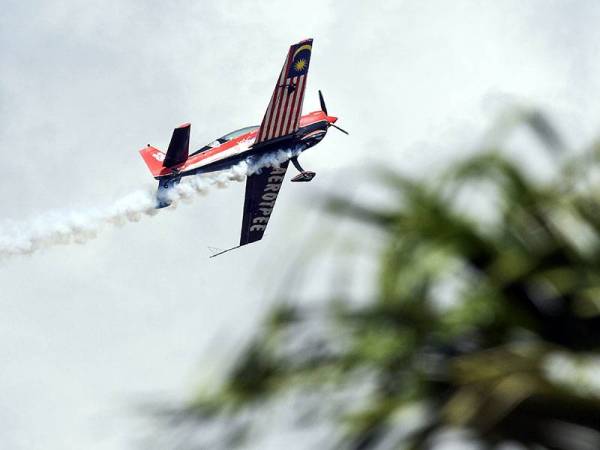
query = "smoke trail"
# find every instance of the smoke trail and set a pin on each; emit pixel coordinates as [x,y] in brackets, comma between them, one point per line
[63,228]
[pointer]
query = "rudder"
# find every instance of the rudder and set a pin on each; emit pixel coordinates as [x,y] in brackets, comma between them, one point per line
[179,147]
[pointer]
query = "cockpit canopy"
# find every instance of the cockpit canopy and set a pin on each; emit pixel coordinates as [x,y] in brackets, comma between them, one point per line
[223,139]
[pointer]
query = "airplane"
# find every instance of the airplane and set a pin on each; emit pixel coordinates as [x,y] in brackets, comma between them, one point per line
[283,127]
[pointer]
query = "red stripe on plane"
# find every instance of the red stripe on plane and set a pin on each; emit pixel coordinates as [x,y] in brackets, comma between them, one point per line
[274,113]
[271,130]
[295,109]
[263,127]
[289,108]
[285,109]
[300,103]
[290,121]
[272,109]
[280,110]
[269,114]
[297,104]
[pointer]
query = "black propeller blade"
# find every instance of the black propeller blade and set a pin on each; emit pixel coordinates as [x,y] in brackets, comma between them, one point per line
[322,100]
[343,131]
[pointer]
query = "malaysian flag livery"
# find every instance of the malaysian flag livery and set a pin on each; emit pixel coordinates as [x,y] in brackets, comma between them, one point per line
[285,108]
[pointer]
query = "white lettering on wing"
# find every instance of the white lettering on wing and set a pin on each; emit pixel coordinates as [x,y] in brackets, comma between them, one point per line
[278,170]
[267,199]
[273,187]
[269,196]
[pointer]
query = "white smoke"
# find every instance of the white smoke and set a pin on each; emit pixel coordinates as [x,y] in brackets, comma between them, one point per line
[63,228]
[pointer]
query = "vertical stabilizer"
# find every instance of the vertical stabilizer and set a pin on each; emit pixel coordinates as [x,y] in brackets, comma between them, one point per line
[179,146]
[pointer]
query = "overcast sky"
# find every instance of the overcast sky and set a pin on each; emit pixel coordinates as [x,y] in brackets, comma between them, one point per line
[86,331]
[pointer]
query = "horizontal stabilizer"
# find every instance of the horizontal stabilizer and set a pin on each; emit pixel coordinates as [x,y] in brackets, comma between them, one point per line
[153,158]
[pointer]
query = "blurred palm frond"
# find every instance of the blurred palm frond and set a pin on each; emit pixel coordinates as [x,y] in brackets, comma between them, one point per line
[472,311]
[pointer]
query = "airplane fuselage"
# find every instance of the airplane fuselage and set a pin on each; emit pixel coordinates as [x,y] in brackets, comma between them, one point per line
[221,156]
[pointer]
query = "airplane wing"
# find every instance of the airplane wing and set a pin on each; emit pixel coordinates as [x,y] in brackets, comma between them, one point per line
[261,193]
[285,108]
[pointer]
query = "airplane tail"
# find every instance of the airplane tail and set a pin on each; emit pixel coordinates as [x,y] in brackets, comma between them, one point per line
[177,152]
[154,159]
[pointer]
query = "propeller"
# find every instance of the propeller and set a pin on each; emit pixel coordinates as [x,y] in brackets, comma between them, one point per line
[342,130]
[324,109]
[322,100]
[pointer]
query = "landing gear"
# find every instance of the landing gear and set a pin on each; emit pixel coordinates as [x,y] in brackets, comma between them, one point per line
[304,175]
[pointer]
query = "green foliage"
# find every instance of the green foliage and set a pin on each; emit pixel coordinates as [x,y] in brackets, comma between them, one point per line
[470,312]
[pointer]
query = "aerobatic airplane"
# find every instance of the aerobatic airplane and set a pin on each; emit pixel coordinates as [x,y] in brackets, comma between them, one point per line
[283,127]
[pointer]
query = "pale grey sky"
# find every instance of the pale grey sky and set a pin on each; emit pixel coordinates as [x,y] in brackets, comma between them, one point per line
[85,331]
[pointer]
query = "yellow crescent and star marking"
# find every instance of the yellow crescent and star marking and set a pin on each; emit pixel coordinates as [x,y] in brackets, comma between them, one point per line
[300,64]
[302,47]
